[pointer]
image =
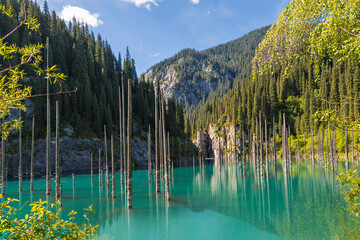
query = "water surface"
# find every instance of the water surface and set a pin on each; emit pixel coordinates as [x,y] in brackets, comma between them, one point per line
[212,203]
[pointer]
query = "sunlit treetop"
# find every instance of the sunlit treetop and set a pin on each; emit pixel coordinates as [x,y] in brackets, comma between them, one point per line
[324,29]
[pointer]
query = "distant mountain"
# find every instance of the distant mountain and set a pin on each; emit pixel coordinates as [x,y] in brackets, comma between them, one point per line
[193,75]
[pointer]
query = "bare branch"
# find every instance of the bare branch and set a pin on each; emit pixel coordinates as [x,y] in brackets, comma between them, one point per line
[16,28]
[352,34]
[18,65]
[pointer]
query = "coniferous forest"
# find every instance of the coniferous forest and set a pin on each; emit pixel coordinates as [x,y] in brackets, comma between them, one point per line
[93,72]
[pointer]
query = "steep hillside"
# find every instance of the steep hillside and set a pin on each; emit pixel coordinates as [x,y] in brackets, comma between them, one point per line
[193,75]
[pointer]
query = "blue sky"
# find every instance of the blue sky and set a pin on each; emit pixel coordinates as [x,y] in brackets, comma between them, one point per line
[157,29]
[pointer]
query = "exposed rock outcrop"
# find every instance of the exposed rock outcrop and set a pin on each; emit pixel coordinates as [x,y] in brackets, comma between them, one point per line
[219,143]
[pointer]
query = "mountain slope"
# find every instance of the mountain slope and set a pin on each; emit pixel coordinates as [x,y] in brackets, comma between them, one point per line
[193,75]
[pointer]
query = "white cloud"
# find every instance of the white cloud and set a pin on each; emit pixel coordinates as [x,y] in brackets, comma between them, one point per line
[195,1]
[143,3]
[155,55]
[81,14]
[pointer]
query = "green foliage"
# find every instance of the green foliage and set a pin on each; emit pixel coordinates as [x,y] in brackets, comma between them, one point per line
[14,60]
[324,28]
[351,189]
[43,222]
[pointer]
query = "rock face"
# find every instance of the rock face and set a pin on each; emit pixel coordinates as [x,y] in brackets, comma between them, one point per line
[204,143]
[75,155]
[219,143]
[191,88]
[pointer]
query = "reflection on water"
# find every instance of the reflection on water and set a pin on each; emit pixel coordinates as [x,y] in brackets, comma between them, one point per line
[213,202]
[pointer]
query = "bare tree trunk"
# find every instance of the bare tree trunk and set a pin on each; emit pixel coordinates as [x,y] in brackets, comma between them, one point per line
[91,168]
[235,158]
[285,165]
[257,158]
[261,146]
[157,163]
[244,157]
[161,151]
[335,148]
[123,131]
[3,181]
[32,155]
[353,148]
[112,168]
[73,180]
[106,164]
[129,153]
[168,159]
[275,149]
[57,160]
[298,148]
[329,145]
[20,156]
[289,152]
[319,146]
[99,167]
[149,154]
[121,139]
[266,148]
[312,144]
[167,187]
[48,133]
[305,153]
[346,149]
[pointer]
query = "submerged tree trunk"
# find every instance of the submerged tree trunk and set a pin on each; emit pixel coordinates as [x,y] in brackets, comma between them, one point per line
[353,148]
[124,132]
[312,145]
[99,167]
[106,164]
[334,147]
[168,158]
[285,164]
[112,168]
[57,160]
[244,157]
[167,188]
[32,155]
[20,156]
[91,168]
[346,149]
[73,180]
[48,133]
[266,148]
[261,146]
[3,181]
[120,139]
[305,153]
[129,153]
[275,150]
[157,164]
[149,155]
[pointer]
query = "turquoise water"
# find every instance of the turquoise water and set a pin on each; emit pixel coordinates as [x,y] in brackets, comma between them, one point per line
[212,203]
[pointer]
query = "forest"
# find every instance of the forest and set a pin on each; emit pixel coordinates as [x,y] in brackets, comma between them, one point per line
[94,72]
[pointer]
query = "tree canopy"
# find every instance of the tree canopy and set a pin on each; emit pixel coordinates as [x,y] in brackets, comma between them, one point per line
[324,29]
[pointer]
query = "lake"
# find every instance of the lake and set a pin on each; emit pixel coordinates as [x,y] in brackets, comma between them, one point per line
[211,203]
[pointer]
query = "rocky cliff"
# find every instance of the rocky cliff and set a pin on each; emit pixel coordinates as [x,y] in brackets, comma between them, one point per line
[219,143]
